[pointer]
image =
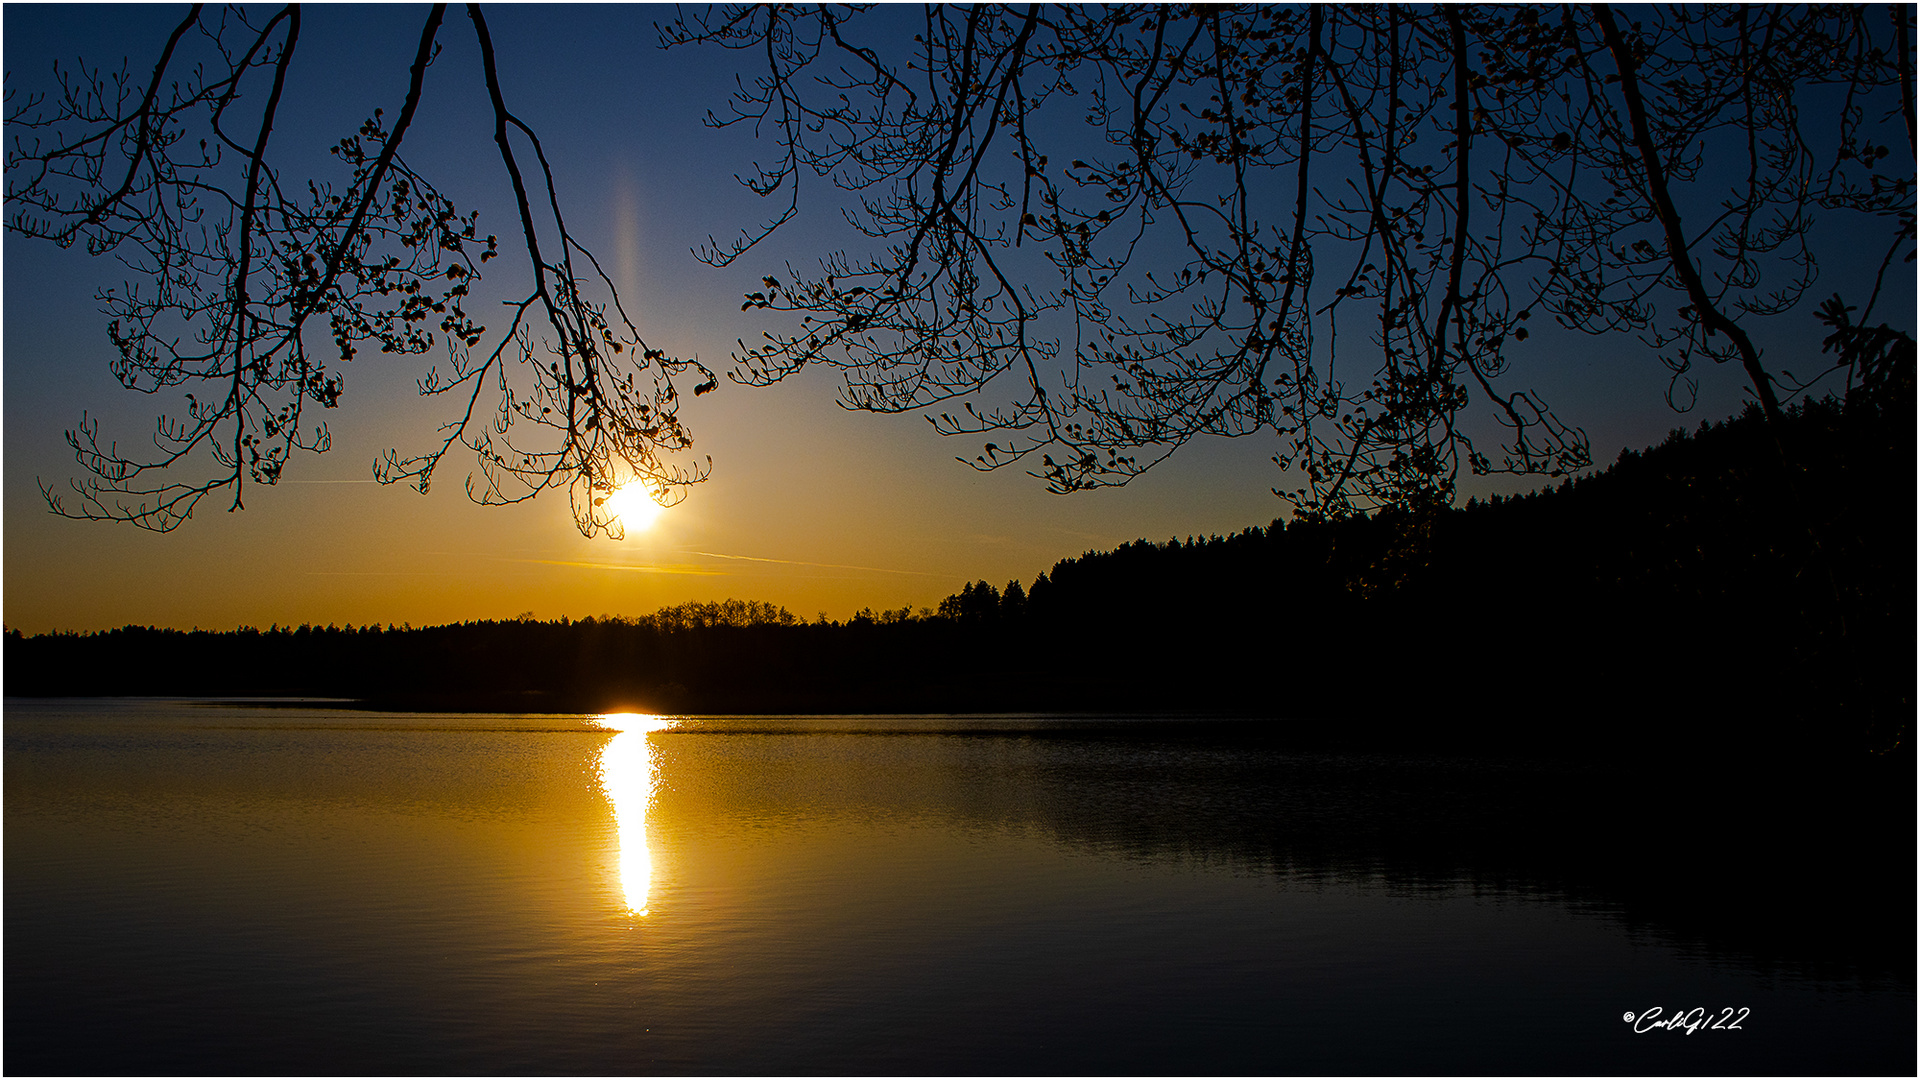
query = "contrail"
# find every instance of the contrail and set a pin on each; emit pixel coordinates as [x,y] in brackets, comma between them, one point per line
[696,570]
[381,573]
[823,565]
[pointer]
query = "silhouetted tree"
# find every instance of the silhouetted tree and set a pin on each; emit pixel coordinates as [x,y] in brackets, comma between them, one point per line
[979,602]
[1103,231]
[1559,612]
[1013,601]
[1250,181]
[175,172]
[1879,361]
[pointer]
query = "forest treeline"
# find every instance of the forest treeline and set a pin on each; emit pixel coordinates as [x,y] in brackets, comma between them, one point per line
[1694,596]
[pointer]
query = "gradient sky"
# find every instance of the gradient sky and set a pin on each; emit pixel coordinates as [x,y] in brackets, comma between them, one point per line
[810,506]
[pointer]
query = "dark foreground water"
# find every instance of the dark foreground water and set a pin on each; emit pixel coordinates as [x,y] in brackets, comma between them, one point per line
[195,888]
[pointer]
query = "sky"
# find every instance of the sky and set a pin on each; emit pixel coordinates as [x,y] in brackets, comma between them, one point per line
[810,506]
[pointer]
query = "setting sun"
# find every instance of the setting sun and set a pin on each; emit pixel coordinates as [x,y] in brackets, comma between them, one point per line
[633,503]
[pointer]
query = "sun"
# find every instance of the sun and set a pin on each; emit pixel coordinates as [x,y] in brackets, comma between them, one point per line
[634,505]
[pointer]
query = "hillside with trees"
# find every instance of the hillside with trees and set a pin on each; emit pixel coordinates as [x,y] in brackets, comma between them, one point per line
[1683,599]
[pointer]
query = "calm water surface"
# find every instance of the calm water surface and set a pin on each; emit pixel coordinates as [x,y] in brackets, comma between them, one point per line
[196,887]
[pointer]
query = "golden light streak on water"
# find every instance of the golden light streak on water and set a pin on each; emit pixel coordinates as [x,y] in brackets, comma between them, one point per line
[629,774]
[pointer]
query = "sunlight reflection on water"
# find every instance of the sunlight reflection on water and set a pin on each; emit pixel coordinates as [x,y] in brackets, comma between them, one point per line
[223,886]
[629,775]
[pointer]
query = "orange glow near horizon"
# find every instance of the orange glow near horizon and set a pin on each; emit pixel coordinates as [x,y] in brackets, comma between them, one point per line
[629,775]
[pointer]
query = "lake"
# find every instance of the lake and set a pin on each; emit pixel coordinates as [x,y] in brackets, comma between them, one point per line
[200,887]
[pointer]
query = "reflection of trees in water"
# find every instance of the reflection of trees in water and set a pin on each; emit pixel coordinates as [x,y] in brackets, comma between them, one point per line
[1804,878]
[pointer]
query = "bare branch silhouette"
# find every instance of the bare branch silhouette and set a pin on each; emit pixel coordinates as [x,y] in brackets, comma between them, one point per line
[1097,234]
[1250,185]
[229,267]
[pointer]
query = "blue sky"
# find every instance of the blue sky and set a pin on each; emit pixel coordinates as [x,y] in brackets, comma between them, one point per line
[810,506]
